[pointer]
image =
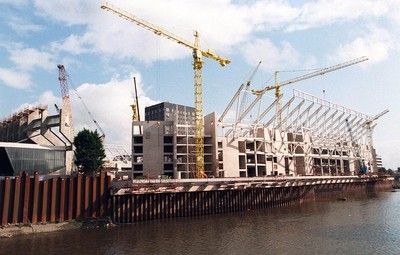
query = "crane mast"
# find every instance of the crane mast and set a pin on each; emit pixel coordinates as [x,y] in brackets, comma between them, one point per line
[197,66]
[66,112]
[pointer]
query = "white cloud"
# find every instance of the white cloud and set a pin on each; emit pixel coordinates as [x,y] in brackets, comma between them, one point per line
[273,57]
[394,14]
[73,44]
[22,26]
[15,2]
[72,12]
[15,79]
[50,99]
[376,45]
[326,12]
[221,25]
[270,15]
[29,58]
[113,36]
[110,105]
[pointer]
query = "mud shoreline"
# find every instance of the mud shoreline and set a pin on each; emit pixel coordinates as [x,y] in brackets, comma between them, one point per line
[12,230]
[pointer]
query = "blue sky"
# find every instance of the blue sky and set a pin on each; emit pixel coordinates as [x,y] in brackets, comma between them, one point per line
[102,52]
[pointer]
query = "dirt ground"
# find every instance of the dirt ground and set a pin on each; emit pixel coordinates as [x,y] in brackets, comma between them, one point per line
[26,229]
[13,230]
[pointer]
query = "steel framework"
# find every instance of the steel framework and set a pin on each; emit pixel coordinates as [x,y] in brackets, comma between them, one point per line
[308,135]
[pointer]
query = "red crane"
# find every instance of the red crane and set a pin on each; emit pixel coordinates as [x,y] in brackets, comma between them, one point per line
[66,111]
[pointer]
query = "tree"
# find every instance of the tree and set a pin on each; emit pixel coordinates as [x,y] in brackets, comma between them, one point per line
[89,152]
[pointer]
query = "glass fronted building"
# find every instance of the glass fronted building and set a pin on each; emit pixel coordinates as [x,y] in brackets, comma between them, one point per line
[30,158]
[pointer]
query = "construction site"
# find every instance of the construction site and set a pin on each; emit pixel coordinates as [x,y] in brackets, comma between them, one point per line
[301,135]
[262,151]
[304,135]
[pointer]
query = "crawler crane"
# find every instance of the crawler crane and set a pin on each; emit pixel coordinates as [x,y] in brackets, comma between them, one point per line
[198,53]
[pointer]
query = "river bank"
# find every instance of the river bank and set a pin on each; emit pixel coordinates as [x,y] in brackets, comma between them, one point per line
[28,229]
[357,226]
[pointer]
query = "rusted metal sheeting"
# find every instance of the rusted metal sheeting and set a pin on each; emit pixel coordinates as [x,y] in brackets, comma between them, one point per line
[25,199]
[129,208]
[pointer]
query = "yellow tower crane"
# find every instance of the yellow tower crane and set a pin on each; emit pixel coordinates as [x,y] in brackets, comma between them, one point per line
[197,66]
[278,85]
[322,71]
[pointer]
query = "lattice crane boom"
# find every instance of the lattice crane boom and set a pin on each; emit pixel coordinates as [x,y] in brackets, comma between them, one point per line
[245,94]
[197,66]
[260,93]
[308,76]
[66,111]
[162,32]
[237,95]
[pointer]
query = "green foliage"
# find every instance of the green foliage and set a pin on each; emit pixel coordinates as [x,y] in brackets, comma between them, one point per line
[387,171]
[89,152]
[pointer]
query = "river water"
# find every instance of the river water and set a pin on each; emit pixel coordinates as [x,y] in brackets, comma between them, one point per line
[364,226]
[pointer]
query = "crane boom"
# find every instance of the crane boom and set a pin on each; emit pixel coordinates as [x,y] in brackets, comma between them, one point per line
[159,31]
[245,94]
[237,94]
[310,75]
[369,122]
[277,85]
[197,66]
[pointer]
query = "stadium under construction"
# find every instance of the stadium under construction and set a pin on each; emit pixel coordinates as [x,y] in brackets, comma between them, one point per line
[305,135]
[300,136]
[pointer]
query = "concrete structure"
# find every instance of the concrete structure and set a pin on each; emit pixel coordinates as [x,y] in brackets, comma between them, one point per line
[16,158]
[118,161]
[166,112]
[305,135]
[34,133]
[379,162]
[180,114]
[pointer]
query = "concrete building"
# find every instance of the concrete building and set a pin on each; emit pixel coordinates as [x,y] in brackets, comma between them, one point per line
[32,140]
[166,145]
[166,112]
[304,135]
[379,162]
[24,157]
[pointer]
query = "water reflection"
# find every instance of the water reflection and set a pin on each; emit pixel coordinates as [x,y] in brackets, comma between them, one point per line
[366,226]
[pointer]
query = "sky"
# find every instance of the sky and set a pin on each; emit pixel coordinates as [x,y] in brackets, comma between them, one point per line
[102,53]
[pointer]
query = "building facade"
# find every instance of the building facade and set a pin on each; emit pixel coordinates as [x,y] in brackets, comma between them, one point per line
[166,145]
[304,135]
[379,162]
[32,140]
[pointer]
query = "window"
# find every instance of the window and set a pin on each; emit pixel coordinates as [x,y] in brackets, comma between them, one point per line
[168,149]
[167,139]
